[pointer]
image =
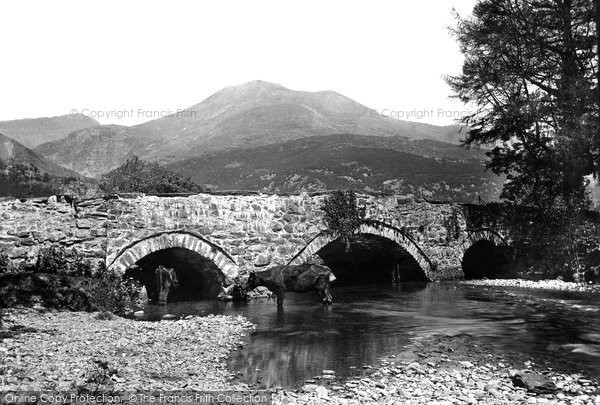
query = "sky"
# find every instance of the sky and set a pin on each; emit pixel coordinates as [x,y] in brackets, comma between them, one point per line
[126,62]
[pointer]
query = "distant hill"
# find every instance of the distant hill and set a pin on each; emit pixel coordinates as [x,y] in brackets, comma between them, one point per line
[13,151]
[92,151]
[32,132]
[25,173]
[348,161]
[262,113]
[246,116]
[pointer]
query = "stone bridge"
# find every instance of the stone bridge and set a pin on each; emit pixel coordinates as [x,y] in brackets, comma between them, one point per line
[236,233]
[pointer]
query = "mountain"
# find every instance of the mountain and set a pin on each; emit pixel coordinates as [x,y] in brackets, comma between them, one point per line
[12,151]
[32,132]
[262,113]
[348,161]
[92,151]
[246,116]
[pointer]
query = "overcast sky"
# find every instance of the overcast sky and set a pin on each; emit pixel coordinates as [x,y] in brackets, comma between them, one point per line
[151,56]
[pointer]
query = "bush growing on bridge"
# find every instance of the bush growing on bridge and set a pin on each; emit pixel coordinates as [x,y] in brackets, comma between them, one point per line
[4,263]
[52,260]
[342,215]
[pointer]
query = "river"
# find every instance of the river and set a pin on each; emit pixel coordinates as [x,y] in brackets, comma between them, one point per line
[557,329]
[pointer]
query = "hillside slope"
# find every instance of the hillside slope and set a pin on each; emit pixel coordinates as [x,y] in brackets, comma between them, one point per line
[32,132]
[13,151]
[246,116]
[92,151]
[345,161]
[262,113]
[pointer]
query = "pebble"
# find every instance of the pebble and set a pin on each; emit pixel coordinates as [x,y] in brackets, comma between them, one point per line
[541,284]
[59,353]
[207,340]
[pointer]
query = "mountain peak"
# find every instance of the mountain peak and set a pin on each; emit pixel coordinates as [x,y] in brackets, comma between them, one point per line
[260,83]
[252,114]
[254,86]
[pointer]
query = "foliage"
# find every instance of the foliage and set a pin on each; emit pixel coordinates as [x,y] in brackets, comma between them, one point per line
[24,180]
[52,260]
[112,293]
[136,175]
[452,225]
[552,243]
[106,291]
[531,69]
[342,215]
[4,263]
[55,260]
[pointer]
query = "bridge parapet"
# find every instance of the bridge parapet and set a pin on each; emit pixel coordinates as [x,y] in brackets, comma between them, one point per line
[249,230]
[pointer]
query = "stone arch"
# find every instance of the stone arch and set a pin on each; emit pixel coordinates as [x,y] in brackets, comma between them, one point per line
[135,251]
[477,235]
[486,254]
[374,228]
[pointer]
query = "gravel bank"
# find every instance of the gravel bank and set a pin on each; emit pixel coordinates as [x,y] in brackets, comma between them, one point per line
[49,350]
[444,370]
[541,284]
[71,350]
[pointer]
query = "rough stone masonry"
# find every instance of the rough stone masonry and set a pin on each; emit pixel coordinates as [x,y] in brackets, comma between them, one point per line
[236,232]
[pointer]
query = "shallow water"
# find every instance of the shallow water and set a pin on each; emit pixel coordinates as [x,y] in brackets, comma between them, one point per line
[558,329]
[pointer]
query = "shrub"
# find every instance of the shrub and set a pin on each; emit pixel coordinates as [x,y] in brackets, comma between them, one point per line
[10,266]
[4,263]
[113,293]
[342,215]
[81,268]
[136,175]
[52,260]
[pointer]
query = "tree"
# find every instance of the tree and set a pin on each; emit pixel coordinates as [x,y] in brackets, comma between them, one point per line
[531,69]
[342,215]
[136,175]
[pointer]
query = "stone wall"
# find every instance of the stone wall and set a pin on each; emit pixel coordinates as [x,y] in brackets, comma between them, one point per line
[237,232]
[30,225]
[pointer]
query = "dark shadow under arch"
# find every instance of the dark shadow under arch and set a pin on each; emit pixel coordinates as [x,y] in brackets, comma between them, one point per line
[371,259]
[199,278]
[376,228]
[484,259]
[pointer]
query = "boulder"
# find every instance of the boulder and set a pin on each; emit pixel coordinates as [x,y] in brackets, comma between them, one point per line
[533,382]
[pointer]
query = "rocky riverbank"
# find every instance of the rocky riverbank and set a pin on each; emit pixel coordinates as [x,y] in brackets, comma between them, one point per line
[541,284]
[50,350]
[448,370]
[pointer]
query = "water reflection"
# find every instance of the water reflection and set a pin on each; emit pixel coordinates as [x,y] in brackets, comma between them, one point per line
[367,322]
